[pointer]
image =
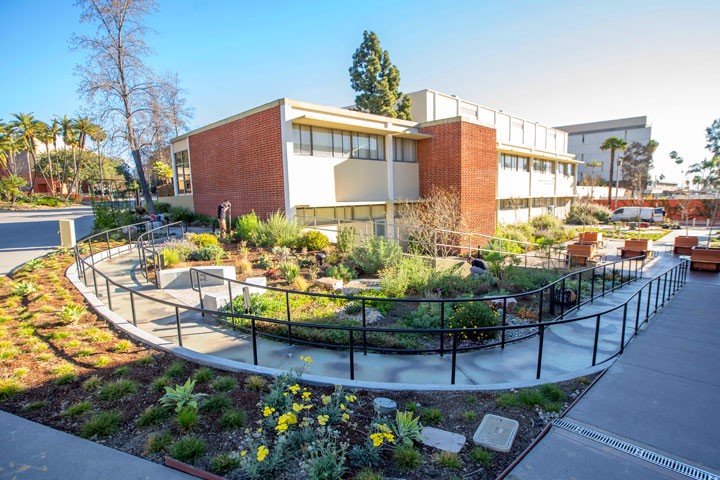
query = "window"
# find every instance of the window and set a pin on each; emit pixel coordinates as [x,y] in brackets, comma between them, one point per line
[405,150]
[566,169]
[543,202]
[325,142]
[513,162]
[182,171]
[543,166]
[514,203]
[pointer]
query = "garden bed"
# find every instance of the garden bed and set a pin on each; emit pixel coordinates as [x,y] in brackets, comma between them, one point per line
[63,367]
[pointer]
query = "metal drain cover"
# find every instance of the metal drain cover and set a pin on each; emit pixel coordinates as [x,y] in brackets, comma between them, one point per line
[384,405]
[496,433]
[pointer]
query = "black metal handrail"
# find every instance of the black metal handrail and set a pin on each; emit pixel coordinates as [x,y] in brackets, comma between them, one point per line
[671,281]
[146,246]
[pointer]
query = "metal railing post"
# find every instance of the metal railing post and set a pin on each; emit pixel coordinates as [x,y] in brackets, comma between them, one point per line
[649,298]
[657,295]
[454,358]
[592,285]
[622,334]
[109,298]
[177,321]
[595,342]
[603,281]
[662,304]
[232,304]
[579,288]
[504,321]
[442,328]
[364,324]
[352,356]
[202,302]
[637,312]
[254,341]
[107,238]
[289,318]
[540,349]
[95,282]
[132,308]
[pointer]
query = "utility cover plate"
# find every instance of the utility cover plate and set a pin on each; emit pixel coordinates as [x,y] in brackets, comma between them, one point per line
[442,439]
[384,405]
[496,433]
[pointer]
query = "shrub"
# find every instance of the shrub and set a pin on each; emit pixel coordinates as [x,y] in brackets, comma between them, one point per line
[224,462]
[187,418]
[407,427]
[10,187]
[289,270]
[118,389]
[216,403]
[203,239]
[481,456]
[160,383]
[313,240]
[277,230]
[92,383]
[101,361]
[179,214]
[233,419]
[175,369]
[545,222]
[158,442]
[246,228]
[448,460]
[122,346]
[255,382]
[341,272]
[162,207]
[24,289]
[187,449]
[467,315]
[426,315]
[326,461]
[181,396]
[411,273]
[585,213]
[209,252]
[549,397]
[224,384]
[406,457]
[376,253]
[102,424]
[9,387]
[203,375]
[346,239]
[520,232]
[470,416]
[153,415]
[431,416]
[264,262]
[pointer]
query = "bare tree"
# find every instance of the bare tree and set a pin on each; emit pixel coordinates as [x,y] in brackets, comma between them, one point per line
[437,221]
[125,92]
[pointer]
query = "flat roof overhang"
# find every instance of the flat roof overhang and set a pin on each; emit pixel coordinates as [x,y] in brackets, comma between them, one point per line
[538,153]
[357,125]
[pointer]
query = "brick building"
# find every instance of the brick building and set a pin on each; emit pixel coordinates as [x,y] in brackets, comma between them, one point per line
[323,163]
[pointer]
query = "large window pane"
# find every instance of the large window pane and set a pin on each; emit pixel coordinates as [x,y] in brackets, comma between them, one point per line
[373,151]
[322,142]
[337,143]
[305,140]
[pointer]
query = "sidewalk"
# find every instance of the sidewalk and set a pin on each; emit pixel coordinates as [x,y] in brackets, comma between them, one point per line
[662,396]
[30,451]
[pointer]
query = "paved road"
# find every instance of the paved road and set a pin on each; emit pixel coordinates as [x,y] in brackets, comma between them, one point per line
[27,234]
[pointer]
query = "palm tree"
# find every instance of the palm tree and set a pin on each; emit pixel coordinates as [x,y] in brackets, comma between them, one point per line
[592,165]
[46,137]
[70,140]
[28,128]
[98,136]
[84,128]
[9,146]
[54,132]
[612,144]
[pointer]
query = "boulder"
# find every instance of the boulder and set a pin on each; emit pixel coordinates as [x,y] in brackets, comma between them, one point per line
[359,285]
[329,283]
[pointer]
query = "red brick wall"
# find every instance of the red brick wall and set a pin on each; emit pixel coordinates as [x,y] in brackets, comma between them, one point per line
[240,161]
[462,156]
[698,209]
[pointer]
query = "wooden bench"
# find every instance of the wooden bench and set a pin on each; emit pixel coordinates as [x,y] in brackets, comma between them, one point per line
[635,248]
[702,258]
[581,253]
[683,245]
[590,237]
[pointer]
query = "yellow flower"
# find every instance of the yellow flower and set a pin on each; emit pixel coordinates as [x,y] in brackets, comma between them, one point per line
[281,427]
[307,360]
[377,439]
[285,393]
[326,399]
[350,398]
[297,407]
[268,411]
[323,419]
[294,389]
[342,406]
[390,437]
[306,396]
[383,428]
[262,453]
[243,453]
[288,418]
[345,417]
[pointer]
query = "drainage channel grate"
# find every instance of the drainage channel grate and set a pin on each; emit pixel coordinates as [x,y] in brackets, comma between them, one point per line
[652,457]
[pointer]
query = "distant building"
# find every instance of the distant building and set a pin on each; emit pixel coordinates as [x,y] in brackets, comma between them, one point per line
[585,139]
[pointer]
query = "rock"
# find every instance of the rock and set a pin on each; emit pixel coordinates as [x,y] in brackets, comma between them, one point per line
[498,304]
[329,283]
[356,286]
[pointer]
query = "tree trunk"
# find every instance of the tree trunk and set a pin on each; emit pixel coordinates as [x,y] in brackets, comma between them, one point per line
[610,183]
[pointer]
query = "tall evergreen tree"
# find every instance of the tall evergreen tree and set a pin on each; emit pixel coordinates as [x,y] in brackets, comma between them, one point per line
[377,80]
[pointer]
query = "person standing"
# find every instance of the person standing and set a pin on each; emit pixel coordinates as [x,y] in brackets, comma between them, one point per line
[222,217]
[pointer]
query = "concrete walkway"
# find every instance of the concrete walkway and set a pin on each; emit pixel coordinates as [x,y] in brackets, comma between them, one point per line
[567,349]
[31,451]
[662,396]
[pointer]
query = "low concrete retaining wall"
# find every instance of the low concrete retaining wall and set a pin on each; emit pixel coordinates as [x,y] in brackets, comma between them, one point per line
[180,277]
[215,301]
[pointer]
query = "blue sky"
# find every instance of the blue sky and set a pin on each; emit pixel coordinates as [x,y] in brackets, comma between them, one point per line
[556,62]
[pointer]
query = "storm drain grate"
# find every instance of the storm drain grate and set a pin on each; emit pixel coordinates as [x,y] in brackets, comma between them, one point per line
[652,457]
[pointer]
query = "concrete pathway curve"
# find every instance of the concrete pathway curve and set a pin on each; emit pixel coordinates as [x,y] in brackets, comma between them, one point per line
[567,350]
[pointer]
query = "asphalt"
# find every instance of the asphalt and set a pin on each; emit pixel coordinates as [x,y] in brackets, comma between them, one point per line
[28,234]
[661,395]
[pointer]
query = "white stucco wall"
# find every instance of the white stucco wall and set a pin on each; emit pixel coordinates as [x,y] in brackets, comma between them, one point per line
[512,183]
[406,181]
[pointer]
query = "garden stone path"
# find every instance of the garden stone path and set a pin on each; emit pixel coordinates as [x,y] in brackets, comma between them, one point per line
[567,348]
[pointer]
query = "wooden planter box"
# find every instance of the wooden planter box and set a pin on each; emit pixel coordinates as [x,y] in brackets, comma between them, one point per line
[683,245]
[702,258]
[636,247]
[580,253]
[590,237]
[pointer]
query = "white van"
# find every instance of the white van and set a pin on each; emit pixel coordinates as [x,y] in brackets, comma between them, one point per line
[645,214]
